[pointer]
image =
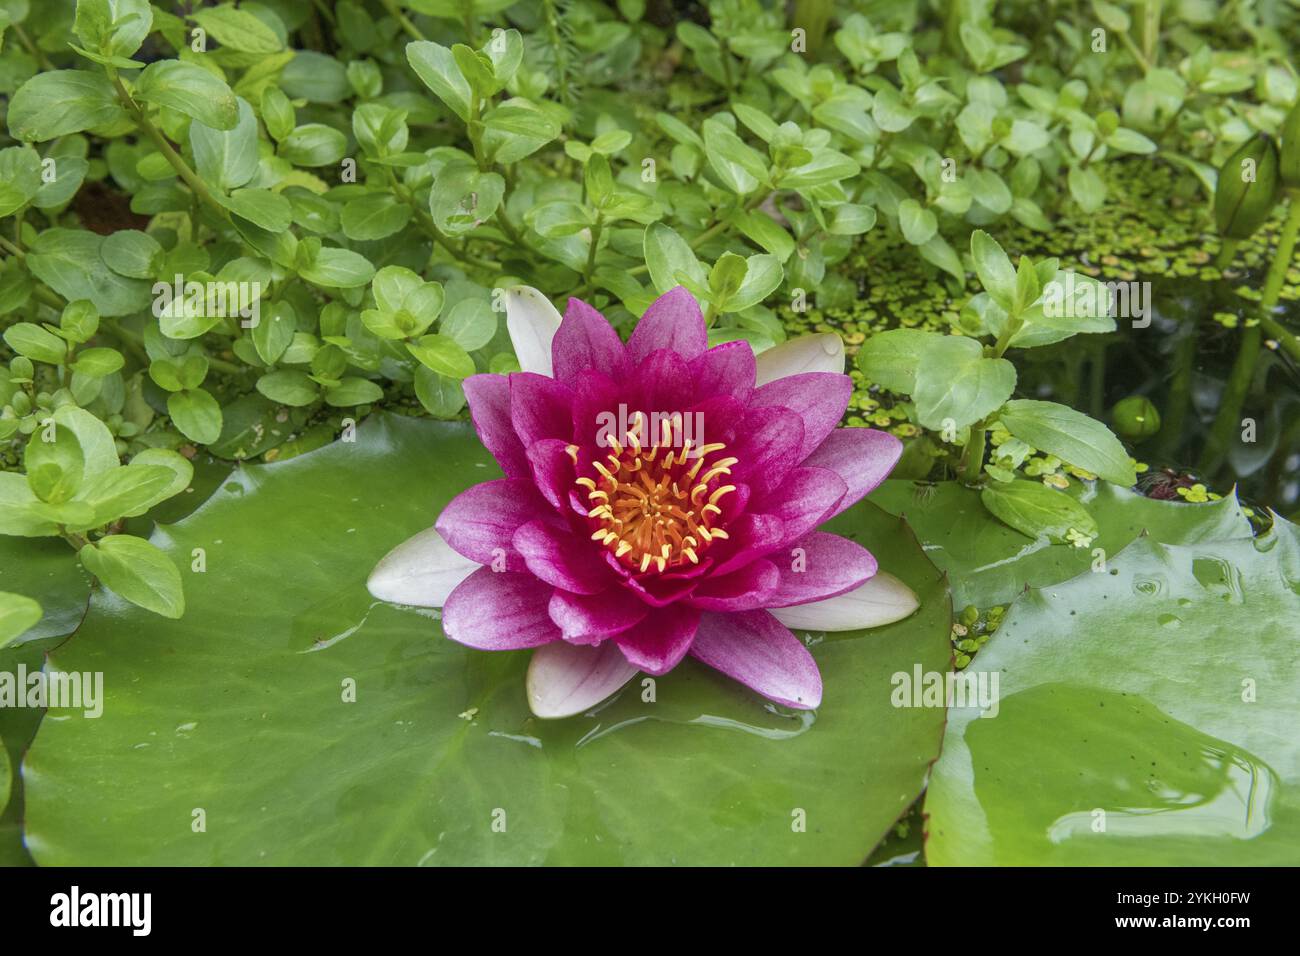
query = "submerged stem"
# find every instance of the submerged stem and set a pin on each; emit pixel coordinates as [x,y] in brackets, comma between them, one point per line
[972,459]
[1282,257]
[1227,252]
[1228,419]
[1283,336]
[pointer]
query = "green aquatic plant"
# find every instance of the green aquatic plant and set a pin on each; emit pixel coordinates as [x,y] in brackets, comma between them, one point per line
[1241,206]
[961,389]
[261,261]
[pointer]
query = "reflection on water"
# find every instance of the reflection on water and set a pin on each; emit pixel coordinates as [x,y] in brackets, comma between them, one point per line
[1238,808]
[803,719]
[1113,767]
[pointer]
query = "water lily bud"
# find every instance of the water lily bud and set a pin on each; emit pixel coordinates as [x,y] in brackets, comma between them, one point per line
[1290,165]
[1247,188]
[1136,418]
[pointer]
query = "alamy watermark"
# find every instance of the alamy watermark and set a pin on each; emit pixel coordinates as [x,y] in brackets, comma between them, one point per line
[213,299]
[71,690]
[955,689]
[1092,298]
[75,908]
[664,429]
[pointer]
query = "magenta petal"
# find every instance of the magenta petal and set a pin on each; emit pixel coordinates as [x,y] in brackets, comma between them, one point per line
[769,444]
[819,566]
[540,408]
[499,611]
[586,341]
[562,559]
[553,471]
[734,505]
[661,640]
[819,398]
[752,536]
[673,321]
[660,383]
[804,500]
[489,407]
[594,413]
[742,590]
[862,457]
[481,521]
[662,590]
[589,618]
[756,649]
[727,369]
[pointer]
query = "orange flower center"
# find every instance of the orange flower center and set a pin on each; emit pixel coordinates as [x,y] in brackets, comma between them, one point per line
[651,506]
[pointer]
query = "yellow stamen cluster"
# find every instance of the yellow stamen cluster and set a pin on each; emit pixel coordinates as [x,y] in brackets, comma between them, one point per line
[652,506]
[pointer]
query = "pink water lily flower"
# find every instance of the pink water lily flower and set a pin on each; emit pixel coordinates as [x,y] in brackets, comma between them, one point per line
[661,498]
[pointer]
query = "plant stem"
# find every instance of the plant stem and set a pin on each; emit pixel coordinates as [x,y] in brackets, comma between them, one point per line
[1008,333]
[813,16]
[41,292]
[1228,420]
[1180,393]
[1137,54]
[1282,257]
[591,253]
[76,539]
[972,459]
[1243,368]
[1227,252]
[1151,11]
[1174,117]
[126,340]
[469,22]
[751,204]
[326,13]
[191,178]
[49,298]
[414,32]
[1096,378]
[425,220]
[1289,343]
[37,53]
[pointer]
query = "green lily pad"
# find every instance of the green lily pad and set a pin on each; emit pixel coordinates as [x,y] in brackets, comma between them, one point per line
[237,717]
[989,563]
[45,570]
[1168,686]
[17,727]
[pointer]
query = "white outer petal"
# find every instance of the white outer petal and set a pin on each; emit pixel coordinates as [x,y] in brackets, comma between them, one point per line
[566,679]
[819,352]
[882,600]
[421,571]
[532,322]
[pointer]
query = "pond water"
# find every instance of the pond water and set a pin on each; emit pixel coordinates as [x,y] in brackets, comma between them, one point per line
[1182,360]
